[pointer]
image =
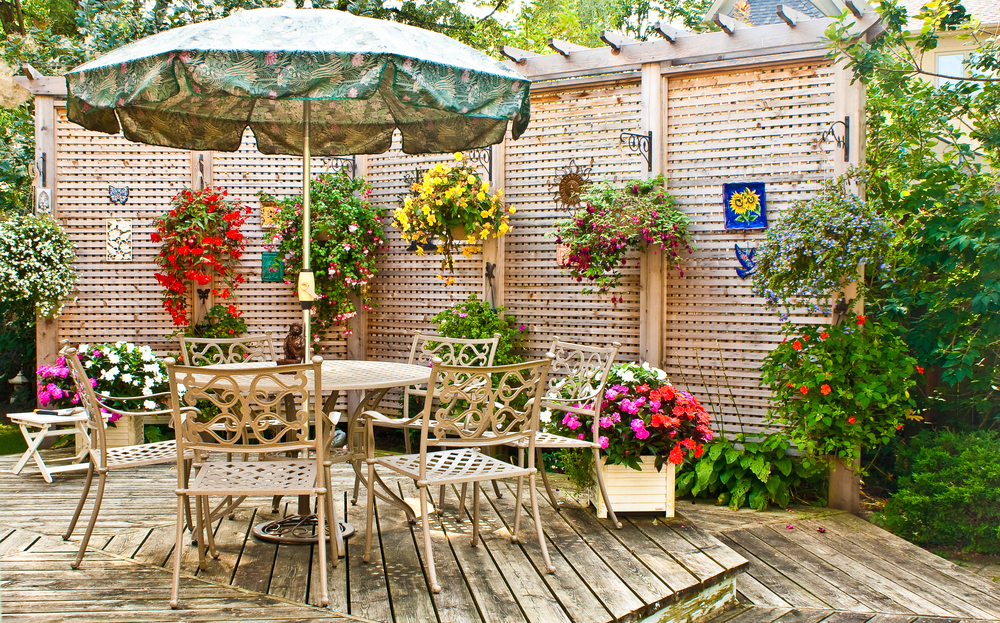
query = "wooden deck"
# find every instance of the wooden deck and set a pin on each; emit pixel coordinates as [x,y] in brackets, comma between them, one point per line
[651,567]
[853,572]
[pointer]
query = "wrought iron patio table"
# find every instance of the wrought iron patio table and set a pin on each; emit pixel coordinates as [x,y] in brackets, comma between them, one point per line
[374,378]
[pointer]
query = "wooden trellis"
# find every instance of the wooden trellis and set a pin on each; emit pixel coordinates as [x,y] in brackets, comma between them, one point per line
[747,105]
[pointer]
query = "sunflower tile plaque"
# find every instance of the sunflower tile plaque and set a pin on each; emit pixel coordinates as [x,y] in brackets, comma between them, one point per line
[745,205]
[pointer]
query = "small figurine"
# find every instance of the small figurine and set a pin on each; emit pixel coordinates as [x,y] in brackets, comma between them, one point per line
[295,346]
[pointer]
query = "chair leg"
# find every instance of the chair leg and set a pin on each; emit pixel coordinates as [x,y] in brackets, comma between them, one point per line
[275,504]
[440,504]
[209,530]
[79,506]
[475,511]
[182,504]
[199,537]
[187,501]
[370,512]
[435,587]
[517,508]
[102,478]
[406,440]
[321,548]
[461,502]
[538,523]
[336,538]
[357,487]
[545,480]
[496,486]
[604,491]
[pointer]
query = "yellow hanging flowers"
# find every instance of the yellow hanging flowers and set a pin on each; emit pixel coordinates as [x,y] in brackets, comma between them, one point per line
[453,208]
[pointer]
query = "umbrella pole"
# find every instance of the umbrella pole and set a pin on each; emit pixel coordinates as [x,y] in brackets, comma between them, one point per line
[307,287]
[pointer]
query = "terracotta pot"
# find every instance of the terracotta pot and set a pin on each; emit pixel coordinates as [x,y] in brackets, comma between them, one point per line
[563,255]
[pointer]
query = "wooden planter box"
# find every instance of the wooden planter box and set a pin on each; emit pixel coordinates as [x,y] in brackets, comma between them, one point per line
[126,431]
[645,491]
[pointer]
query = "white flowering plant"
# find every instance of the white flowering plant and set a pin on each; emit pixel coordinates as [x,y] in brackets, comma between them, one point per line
[36,264]
[119,370]
[815,248]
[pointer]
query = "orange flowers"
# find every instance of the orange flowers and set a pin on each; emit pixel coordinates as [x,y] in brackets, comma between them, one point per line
[920,370]
[804,390]
[861,320]
[797,345]
[824,389]
[824,335]
[850,420]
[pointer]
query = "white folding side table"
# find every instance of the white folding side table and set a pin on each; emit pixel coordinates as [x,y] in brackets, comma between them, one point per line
[68,422]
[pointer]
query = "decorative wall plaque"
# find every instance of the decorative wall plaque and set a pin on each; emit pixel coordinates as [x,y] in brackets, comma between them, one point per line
[745,205]
[118,195]
[569,182]
[43,201]
[271,268]
[268,213]
[119,239]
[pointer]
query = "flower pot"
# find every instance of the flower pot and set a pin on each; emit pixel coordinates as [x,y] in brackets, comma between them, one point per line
[845,486]
[643,491]
[125,431]
[459,234]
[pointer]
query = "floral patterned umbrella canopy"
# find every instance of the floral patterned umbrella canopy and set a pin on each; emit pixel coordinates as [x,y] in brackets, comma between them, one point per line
[306,81]
[199,86]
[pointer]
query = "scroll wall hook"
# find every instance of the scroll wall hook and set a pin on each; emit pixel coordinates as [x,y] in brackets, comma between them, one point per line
[844,141]
[641,143]
[483,156]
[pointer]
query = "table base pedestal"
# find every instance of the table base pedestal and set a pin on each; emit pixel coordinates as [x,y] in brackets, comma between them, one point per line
[295,530]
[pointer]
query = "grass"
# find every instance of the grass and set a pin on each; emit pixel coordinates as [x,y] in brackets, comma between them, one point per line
[11,440]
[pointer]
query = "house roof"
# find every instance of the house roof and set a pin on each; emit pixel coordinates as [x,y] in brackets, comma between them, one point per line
[764,12]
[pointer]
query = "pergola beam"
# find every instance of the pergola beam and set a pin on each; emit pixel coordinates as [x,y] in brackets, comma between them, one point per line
[790,16]
[565,47]
[747,41]
[616,40]
[670,33]
[726,23]
[517,55]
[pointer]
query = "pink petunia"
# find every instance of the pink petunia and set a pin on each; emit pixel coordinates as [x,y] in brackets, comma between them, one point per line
[639,427]
[604,441]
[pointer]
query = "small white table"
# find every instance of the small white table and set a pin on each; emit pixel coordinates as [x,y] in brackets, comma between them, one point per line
[66,422]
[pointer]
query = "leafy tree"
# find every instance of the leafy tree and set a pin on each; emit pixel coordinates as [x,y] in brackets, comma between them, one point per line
[937,151]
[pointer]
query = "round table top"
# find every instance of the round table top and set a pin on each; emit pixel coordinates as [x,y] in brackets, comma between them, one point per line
[346,375]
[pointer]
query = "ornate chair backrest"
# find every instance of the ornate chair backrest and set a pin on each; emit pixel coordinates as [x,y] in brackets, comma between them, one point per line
[579,374]
[250,409]
[483,406]
[453,351]
[196,351]
[92,404]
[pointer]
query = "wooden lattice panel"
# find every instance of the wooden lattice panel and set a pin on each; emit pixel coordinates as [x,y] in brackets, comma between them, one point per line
[116,300]
[268,306]
[753,125]
[407,292]
[582,123]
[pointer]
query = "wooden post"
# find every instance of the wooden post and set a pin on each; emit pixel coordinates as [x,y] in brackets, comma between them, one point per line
[47,330]
[845,483]
[651,285]
[201,177]
[493,249]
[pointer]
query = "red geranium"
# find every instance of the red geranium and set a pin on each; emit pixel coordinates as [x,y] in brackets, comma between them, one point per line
[200,241]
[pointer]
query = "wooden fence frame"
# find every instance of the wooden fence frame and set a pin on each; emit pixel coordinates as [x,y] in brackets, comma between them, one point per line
[656,63]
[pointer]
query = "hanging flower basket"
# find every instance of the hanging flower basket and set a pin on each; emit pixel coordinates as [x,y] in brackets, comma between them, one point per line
[563,254]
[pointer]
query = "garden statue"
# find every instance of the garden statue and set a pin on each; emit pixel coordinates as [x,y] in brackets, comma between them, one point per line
[295,345]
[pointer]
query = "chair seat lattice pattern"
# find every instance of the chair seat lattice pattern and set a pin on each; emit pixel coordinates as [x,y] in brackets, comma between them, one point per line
[145,454]
[256,477]
[549,440]
[453,466]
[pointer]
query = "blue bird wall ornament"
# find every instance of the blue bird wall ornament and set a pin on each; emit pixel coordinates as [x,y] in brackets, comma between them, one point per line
[746,259]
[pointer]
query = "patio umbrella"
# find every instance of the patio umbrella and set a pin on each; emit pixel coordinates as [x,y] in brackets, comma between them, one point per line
[306,81]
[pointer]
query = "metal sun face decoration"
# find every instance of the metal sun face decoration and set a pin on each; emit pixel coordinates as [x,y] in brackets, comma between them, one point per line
[569,183]
[745,205]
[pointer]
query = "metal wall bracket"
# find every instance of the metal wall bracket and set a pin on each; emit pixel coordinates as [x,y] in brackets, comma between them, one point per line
[641,143]
[343,162]
[844,141]
[483,156]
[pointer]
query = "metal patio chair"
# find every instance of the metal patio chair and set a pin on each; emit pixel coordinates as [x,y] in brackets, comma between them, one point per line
[200,351]
[576,385]
[103,459]
[262,410]
[477,407]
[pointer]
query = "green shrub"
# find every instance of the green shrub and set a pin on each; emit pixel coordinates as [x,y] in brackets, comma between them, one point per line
[755,473]
[473,319]
[949,491]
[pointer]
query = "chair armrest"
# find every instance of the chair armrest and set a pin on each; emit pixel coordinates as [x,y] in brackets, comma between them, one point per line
[127,398]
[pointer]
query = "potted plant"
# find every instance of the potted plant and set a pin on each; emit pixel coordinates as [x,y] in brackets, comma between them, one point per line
[347,239]
[200,241]
[452,208]
[840,389]
[36,265]
[612,221]
[645,425]
[122,370]
[223,321]
[473,319]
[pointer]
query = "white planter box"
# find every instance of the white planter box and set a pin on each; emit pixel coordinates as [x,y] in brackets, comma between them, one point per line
[645,491]
[126,431]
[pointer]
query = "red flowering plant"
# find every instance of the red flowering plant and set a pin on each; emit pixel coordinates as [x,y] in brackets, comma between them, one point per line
[841,388]
[201,239]
[642,414]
